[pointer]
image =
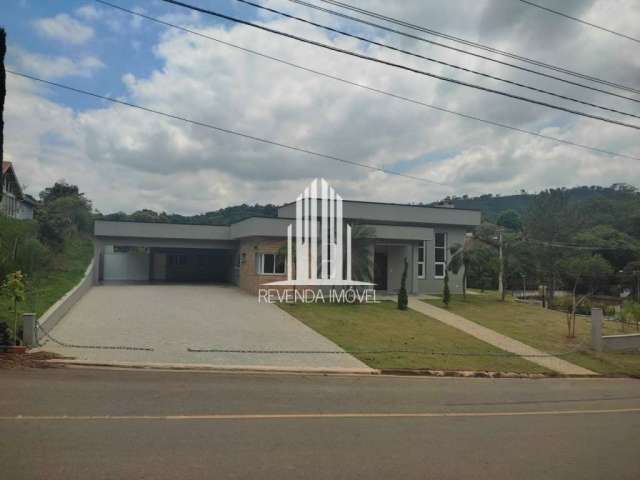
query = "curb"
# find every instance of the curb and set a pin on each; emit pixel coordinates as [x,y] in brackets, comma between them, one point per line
[219,368]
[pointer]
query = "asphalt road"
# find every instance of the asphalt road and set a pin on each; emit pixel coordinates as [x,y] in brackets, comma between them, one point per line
[107,424]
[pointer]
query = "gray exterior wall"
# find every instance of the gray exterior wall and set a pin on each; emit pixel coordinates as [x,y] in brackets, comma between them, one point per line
[160,231]
[386,212]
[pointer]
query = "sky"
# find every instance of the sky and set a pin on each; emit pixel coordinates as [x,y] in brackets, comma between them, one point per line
[125,159]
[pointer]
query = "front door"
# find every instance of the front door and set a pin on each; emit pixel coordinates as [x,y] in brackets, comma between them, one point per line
[380,270]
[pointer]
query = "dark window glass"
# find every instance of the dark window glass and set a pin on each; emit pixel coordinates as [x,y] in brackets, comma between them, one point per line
[440,239]
[268,263]
[280,262]
[421,270]
[439,270]
[439,254]
[421,254]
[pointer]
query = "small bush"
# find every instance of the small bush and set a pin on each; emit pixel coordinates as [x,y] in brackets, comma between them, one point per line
[403,299]
[446,293]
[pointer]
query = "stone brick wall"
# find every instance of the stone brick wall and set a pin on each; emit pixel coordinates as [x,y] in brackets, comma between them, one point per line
[250,247]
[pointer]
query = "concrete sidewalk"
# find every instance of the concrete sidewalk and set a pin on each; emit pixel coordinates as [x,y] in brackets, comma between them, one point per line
[497,339]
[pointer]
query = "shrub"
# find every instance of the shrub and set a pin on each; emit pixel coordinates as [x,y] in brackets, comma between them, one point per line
[630,313]
[5,335]
[446,293]
[403,299]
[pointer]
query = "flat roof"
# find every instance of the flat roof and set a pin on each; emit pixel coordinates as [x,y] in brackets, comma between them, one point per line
[396,205]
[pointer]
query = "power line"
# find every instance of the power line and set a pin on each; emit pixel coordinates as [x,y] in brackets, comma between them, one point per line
[466,42]
[576,247]
[402,67]
[372,89]
[430,59]
[227,130]
[466,52]
[541,7]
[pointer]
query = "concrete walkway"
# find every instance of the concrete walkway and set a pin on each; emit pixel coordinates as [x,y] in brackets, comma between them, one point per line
[497,339]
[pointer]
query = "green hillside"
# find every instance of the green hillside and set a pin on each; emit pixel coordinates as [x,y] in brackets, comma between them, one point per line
[492,205]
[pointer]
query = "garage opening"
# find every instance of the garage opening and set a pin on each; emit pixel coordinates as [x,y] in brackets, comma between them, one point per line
[174,265]
[192,265]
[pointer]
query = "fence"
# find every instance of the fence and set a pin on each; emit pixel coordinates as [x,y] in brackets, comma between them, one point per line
[605,343]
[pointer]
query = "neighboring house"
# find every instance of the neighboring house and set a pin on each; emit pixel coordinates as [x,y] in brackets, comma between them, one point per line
[249,253]
[14,202]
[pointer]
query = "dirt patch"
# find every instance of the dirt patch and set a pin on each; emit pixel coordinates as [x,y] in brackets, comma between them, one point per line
[28,360]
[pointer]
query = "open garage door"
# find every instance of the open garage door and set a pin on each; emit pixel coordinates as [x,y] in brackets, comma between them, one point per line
[192,265]
[126,264]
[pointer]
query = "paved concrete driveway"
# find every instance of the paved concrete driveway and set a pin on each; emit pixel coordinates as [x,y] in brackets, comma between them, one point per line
[171,318]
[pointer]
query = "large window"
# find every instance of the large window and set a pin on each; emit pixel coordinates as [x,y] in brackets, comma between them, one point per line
[421,259]
[271,264]
[440,255]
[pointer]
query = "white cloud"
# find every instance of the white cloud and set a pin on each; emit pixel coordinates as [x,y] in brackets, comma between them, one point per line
[64,28]
[126,159]
[87,12]
[51,66]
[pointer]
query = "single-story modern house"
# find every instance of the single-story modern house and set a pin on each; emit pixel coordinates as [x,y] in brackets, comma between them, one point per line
[249,253]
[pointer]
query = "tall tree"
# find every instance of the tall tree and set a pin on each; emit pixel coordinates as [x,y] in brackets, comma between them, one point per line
[510,219]
[550,219]
[461,256]
[3,94]
[585,269]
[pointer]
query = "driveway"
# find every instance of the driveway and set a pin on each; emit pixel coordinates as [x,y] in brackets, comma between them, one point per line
[172,318]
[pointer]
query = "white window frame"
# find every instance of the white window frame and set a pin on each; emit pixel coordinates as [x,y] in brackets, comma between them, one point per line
[435,249]
[261,257]
[422,263]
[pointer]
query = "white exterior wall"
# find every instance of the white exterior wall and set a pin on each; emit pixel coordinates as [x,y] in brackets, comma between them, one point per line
[126,266]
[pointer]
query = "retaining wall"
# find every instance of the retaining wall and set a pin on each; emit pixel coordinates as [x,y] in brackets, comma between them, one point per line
[54,314]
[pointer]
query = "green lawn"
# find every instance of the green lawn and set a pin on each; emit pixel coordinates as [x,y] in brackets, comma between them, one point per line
[543,329]
[383,326]
[47,288]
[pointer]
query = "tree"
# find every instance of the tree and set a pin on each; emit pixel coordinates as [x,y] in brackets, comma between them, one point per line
[63,209]
[361,261]
[494,236]
[461,256]
[361,265]
[15,288]
[3,94]
[583,269]
[549,220]
[403,299]
[510,219]
[617,247]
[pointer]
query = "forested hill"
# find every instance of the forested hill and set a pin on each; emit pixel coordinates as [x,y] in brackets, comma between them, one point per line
[223,216]
[492,205]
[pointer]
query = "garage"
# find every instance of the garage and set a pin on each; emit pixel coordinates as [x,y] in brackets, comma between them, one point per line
[176,265]
[191,265]
[144,253]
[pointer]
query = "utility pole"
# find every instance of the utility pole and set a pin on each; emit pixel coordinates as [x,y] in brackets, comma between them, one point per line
[3,94]
[501,275]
